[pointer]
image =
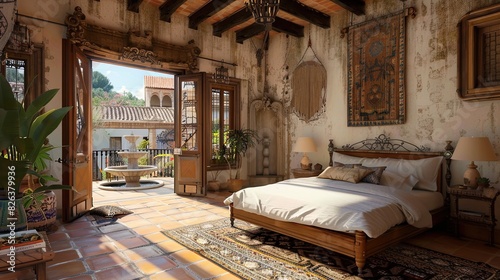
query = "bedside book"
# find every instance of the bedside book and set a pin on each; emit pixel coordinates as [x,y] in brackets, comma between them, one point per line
[22,241]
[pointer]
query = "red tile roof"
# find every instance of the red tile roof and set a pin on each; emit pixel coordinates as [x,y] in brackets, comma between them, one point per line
[158,82]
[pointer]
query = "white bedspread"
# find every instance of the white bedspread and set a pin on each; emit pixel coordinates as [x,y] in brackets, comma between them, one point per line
[334,205]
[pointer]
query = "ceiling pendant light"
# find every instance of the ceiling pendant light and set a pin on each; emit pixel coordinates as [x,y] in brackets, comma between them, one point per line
[264,11]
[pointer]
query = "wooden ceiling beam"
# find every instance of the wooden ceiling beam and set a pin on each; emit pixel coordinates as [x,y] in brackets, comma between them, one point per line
[133,5]
[288,27]
[168,8]
[355,6]
[306,13]
[208,10]
[231,21]
[248,32]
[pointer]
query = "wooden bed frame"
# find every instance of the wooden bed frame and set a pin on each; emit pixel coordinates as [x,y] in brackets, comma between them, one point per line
[356,245]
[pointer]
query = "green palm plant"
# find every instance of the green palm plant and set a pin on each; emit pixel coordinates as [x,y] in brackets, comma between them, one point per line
[23,138]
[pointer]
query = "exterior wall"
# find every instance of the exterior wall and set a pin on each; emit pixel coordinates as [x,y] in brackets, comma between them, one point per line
[100,137]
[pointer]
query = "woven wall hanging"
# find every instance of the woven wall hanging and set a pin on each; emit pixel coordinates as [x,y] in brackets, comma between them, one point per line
[309,88]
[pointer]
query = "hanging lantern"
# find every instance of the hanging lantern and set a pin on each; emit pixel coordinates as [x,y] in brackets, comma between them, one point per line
[264,11]
[221,75]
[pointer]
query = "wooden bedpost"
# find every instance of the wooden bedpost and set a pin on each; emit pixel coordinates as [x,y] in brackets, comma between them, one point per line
[330,151]
[231,217]
[360,250]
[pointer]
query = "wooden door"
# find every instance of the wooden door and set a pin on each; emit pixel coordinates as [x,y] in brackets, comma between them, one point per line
[190,170]
[77,132]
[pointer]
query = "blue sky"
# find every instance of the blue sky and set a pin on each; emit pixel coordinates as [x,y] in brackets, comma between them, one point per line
[125,78]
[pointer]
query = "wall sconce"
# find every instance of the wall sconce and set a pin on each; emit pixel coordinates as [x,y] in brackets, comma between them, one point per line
[305,145]
[264,11]
[473,149]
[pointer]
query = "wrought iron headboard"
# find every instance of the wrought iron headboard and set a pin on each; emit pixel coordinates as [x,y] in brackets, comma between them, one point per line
[384,143]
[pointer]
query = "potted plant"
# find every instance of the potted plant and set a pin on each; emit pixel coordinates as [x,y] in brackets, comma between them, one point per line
[483,182]
[237,143]
[213,183]
[24,133]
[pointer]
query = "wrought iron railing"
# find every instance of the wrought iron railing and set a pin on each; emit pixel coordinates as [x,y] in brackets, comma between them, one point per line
[104,158]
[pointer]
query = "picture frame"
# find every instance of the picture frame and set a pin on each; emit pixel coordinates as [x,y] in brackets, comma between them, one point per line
[478,62]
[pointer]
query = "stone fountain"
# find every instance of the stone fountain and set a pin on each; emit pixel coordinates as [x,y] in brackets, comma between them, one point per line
[132,172]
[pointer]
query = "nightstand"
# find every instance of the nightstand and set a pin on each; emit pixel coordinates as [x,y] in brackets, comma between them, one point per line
[486,218]
[302,173]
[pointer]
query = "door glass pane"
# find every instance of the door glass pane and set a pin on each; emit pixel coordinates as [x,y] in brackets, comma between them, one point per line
[14,73]
[188,116]
[216,128]
[80,110]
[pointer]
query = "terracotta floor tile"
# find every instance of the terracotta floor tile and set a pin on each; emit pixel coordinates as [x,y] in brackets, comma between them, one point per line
[64,256]
[65,270]
[137,223]
[124,272]
[88,240]
[170,246]
[117,235]
[97,249]
[78,225]
[112,228]
[147,229]
[495,262]
[227,276]
[60,245]
[157,237]
[171,225]
[206,269]
[58,236]
[105,261]
[186,256]
[155,264]
[159,220]
[129,243]
[81,277]
[129,218]
[174,274]
[140,253]
[152,214]
[82,232]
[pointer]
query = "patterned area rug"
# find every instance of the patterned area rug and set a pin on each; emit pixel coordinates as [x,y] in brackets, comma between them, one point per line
[255,253]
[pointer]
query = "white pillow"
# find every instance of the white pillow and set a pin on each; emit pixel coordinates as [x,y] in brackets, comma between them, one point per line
[425,170]
[394,180]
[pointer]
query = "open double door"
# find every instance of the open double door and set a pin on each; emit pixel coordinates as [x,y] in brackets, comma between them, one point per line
[77,133]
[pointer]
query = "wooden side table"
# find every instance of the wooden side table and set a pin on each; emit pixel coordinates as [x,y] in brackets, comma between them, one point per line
[36,258]
[302,173]
[486,195]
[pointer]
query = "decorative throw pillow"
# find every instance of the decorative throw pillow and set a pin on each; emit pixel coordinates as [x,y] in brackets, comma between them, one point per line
[394,180]
[348,165]
[109,211]
[353,175]
[374,178]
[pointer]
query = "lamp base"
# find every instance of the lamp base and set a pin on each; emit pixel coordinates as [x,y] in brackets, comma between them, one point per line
[471,176]
[305,163]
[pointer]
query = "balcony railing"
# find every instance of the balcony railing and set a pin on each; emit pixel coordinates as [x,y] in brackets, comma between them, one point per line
[104,158]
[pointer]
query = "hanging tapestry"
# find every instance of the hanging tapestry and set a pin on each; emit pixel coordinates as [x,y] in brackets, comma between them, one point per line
[376,72]
[309,86]
[7,13]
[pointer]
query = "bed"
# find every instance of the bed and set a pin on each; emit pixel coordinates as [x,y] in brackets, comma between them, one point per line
[263,206]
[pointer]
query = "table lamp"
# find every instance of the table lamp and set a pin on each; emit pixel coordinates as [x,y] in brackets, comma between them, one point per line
[473,149]
[304,145]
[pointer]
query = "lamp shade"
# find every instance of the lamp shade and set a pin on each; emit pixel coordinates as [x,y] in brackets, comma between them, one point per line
[474,149]
[304,145]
